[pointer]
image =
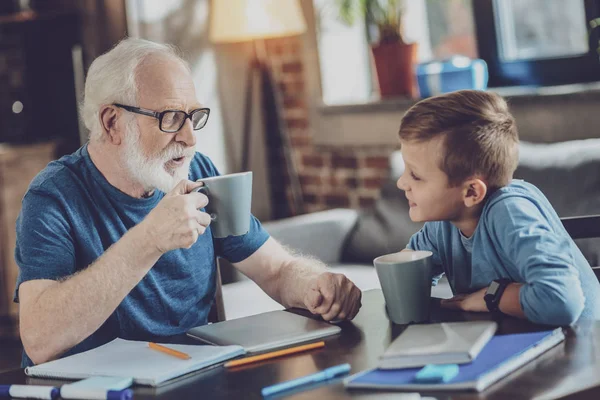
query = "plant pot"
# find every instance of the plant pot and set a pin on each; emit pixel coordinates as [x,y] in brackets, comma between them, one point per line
[394,63]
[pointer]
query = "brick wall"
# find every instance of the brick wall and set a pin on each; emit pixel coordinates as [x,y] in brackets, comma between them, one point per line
[330,176]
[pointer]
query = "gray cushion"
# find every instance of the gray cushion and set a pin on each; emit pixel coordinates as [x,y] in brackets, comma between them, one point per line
[568,173]
[381,229]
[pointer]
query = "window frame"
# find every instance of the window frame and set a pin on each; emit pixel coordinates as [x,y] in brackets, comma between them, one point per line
[536,72]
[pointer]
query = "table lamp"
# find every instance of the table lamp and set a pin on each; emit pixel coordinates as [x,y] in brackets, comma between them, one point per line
[256,20]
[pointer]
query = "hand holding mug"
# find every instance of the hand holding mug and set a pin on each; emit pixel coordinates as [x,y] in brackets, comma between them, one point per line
[177,222]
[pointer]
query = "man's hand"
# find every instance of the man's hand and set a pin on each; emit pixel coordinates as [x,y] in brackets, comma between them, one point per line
[333,296]
[467,302]
[177,222]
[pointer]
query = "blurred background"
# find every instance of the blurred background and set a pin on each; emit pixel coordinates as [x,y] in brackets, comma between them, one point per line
[308,94]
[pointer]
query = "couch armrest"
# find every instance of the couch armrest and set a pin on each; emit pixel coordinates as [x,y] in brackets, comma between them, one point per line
[320,234]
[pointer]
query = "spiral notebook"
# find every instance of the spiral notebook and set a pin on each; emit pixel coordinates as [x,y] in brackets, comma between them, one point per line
[502,355]
[125,358]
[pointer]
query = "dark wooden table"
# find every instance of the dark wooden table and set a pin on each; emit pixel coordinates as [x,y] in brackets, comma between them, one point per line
[571,369]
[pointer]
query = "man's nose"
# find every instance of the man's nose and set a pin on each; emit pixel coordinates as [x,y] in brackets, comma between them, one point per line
[186,134]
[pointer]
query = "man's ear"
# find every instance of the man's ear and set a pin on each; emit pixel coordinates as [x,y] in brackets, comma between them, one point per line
[109,117]
[475,191]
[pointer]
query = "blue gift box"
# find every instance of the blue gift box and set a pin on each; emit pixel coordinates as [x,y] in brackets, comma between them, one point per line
[459,72]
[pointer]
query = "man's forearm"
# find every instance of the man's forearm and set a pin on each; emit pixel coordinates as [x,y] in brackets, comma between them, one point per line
[68,311]
[302,282]
[285,277]
[295,279]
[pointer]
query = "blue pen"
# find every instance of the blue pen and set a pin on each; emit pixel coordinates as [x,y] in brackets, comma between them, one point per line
[126,394]
[29,392]
[322,376]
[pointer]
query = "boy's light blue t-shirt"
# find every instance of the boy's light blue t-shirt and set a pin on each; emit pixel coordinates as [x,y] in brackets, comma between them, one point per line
[71,215]
[520,237]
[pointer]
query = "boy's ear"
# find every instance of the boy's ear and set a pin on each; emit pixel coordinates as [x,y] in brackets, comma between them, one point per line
[475,192]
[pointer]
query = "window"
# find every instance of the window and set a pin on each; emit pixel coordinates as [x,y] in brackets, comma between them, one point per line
[536,42]
[343,57]
[524,42]
[540,29]
[442,28]
[451,28]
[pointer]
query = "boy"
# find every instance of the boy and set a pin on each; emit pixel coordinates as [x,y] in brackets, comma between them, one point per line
[499,241]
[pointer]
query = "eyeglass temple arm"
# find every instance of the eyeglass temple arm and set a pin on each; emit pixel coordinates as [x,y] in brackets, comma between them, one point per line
[138,110]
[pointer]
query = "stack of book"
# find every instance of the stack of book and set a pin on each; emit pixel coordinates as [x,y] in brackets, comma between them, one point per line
[469,351]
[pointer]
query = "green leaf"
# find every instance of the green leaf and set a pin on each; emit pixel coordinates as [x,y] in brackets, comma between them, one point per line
[385,14]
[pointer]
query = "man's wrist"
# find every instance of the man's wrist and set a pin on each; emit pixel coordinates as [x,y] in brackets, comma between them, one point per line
[141,242]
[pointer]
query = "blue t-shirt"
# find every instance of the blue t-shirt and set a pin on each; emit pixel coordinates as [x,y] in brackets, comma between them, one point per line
[520,237]
[71,215]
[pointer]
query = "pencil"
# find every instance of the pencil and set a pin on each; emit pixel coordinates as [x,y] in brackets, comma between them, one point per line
[274,354]
[169,351]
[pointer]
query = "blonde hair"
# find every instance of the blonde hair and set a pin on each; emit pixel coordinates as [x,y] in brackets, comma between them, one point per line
[480,135]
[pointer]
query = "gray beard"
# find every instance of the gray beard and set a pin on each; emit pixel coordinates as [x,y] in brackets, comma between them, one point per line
[151,172]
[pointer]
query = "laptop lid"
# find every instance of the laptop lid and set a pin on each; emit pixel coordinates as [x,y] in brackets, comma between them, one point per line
[264,332]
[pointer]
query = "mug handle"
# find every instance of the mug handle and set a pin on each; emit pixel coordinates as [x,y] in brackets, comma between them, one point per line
[204,191]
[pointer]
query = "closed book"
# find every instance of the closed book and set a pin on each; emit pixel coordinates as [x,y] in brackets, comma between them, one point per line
[502,355]
[443,343]
[125,358]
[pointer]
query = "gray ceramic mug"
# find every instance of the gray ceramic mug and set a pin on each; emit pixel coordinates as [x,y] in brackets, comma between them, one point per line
[405,279]
[229,202]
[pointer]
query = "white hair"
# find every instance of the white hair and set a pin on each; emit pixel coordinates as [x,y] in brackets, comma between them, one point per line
[112,78]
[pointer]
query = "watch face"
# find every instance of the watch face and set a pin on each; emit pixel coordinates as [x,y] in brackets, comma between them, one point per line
[493,287]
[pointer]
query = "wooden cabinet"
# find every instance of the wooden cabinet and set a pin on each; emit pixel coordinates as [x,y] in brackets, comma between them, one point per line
[18,166]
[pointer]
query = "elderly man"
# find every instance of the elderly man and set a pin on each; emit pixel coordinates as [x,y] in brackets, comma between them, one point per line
[111,242]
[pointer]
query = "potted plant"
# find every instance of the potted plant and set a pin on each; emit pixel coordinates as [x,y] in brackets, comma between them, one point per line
[394,58]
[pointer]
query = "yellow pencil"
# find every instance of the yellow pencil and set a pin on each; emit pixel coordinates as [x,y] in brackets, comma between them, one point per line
[274,354]
[169,351]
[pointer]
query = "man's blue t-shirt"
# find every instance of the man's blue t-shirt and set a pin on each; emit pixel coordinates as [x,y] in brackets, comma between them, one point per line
[520,237]
[71,215]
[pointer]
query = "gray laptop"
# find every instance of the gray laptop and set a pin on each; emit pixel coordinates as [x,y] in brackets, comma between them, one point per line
[264,332]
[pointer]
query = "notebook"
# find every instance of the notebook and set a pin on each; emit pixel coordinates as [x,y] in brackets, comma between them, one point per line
[125,358]
[501,356]
[263,332]
[443,343]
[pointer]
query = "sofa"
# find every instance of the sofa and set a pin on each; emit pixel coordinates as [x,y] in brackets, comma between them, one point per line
[348,240]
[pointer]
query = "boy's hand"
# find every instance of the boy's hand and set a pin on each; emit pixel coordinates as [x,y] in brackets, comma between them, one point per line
[467,302]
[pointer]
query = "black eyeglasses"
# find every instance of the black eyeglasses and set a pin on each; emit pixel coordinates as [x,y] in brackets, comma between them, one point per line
[171,121]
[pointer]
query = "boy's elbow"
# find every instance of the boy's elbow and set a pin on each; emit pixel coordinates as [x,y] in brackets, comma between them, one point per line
[565,313]
[558,307]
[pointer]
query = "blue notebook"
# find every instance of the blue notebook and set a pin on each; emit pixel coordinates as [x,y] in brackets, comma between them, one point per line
[501,355]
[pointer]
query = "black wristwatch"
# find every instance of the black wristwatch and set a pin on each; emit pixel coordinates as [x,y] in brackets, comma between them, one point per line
[494,294]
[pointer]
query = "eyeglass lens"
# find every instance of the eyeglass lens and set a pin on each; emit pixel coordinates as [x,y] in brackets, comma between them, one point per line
[172,121]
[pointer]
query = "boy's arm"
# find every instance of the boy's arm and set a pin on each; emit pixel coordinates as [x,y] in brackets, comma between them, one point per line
[551,292]
[427,239]
[510,303]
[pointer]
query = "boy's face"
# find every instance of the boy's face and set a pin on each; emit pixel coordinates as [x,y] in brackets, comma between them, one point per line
[426,186]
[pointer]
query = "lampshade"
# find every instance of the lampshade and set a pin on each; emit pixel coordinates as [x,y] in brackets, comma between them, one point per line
[244,20]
